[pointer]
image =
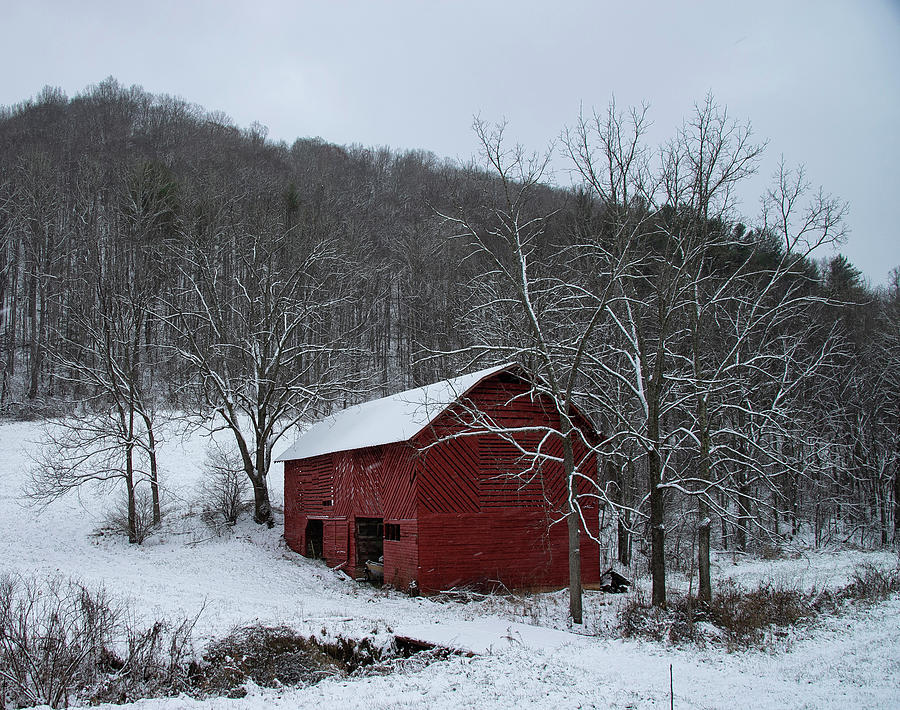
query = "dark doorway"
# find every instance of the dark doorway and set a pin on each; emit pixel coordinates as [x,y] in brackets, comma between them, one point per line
[369,540]
[314,537]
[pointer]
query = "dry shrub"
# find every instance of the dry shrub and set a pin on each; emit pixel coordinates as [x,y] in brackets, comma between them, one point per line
[60,641]
[871,583]
[750,617]
[224,489]
[116,521]
[771,551]
[745,614]
[674,623]
[637,619]
[54,635]
[155,661]
[742,617]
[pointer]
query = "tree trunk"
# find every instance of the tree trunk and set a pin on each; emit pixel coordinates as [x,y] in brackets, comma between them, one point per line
[154,469]
[897,505]
[573,522]
[704,589]
[13,311]
[623,517]
[129,490]
[657,534]
[744,506]
[724,533]
[35,344]
[657,510]
[575,593]
[623,538]
[262,509]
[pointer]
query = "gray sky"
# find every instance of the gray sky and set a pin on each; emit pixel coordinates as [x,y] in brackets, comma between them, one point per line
[820,80]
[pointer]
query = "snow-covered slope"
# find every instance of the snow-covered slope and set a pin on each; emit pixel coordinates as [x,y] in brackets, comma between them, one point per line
[251,576]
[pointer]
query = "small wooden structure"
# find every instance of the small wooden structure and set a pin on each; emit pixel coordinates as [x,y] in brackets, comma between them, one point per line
[435,480]
[614,582]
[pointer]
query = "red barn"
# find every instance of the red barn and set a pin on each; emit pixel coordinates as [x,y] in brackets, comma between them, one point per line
[435,480]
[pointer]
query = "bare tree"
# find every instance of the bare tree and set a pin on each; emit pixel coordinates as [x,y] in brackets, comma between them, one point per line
[112,425]
[891,349]
[700,312]
[631,365]
[256,333]
[105,355]
[528,310]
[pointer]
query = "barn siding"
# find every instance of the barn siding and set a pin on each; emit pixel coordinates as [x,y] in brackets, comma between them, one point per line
[357,483]
[294,518]
[401,557]
[470,508]
[507,536]
[509,478]
[448,480]
[308,487]
[514,547]
[398,482]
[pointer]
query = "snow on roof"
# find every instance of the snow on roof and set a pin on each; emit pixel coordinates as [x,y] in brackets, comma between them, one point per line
[388,420]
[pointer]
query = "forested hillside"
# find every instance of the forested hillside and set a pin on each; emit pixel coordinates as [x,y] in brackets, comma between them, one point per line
[745,381]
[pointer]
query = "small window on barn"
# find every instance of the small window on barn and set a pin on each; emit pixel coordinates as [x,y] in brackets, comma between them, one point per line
[391,531]
[327,503]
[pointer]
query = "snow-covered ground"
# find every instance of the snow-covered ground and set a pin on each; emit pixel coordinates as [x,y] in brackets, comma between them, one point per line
[249,576]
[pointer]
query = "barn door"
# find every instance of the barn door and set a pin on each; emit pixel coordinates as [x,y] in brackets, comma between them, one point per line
[369,540]
[314,538]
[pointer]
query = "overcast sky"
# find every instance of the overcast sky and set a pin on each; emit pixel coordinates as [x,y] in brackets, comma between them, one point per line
[820,80]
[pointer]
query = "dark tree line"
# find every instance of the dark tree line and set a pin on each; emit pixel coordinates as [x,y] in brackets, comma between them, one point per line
[155,257]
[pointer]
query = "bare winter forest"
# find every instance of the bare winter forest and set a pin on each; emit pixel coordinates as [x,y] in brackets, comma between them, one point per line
[157,259]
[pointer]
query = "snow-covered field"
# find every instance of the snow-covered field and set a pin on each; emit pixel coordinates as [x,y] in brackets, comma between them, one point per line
[852,661]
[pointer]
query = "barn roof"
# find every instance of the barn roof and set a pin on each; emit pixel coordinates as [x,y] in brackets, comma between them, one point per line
[388,420]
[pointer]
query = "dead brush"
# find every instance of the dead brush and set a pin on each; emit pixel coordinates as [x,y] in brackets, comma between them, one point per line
[873,584]
[675,623]
[153,661]
[746,615]
[224,490]
[742,617]
[751,617]
[272,656]
[61,642]
[54,636]
[267,656]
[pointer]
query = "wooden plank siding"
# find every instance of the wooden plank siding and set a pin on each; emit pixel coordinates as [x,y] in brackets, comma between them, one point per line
[519,549]
[448,477]
[471,508]
[401,557]
[357,483]
[514,533]
[398,482]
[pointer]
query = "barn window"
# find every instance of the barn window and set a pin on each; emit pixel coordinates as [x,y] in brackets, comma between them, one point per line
[327,503]
[391,531]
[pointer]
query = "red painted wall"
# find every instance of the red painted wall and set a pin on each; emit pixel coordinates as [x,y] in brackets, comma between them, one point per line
[376,482]
[518,549]
[401,557]
[463,518]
